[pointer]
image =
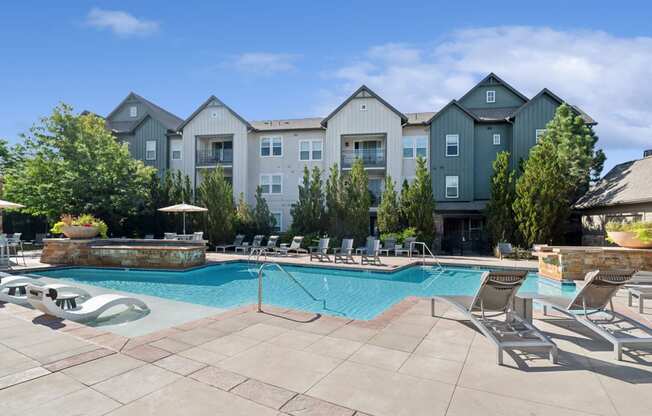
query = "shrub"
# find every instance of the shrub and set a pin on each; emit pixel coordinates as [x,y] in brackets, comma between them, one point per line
[643,230]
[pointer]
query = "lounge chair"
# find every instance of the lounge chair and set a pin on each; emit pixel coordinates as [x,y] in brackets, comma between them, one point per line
[371,254]
[197,236]
[363,249]
[271,243]
[256,243]
[345,252]
[294,246]
[44,299]
[170,236]
[505,250]
[13,289]
[320,252]
[496,296]
[406,248]
[389,246]
[589,308]
[237,242]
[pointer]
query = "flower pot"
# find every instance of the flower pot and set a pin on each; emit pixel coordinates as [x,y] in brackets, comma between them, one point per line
[80,231]
[628,239]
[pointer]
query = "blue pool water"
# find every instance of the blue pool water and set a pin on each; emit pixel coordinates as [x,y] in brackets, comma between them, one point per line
[354,294]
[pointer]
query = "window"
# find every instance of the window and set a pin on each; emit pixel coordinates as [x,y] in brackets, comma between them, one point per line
[176,150]
[133,111]
[310,149]
[415,146]
[271,184]
[422,146]
[452,145]
[271,146]
[150,150]
[538,133]
[408,148]
[452,186]
[278,221]
[496,139]
[491,96]
[363,107]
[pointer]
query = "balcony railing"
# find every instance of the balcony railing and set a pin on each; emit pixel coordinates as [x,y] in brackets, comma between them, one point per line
[371,158]
[211,158]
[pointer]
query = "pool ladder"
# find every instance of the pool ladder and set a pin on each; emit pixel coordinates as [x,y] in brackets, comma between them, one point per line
[425,249]
[289,275]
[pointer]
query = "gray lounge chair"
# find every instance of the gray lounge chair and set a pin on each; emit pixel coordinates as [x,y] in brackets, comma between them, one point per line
[589,308]
[389,246]
[495,296]
[256,243]
[505,250]
[320,252]
[363,249]
[294,246]
[237,242]
[345,252]
[371,255]
[271,243]
[406,247]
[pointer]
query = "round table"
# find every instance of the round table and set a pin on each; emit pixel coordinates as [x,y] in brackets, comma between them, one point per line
[67,300]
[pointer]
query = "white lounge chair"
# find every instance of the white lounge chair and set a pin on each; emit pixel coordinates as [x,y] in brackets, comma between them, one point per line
[271,243]
[371,255]
[496,296]
[389,246]
[44,299]
[13,289]
[406,247]
[294,246]
[345,252]
[237,242]
[320,252]
[589,307]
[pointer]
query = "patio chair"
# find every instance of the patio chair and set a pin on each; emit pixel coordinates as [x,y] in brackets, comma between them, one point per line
[169,236]
[44,299]
[198,236]
[38,239]
[505,250]
[294,246]
[15,245]
[389,246]
[237,242]
[345,252]
[371,253]
[320,252]
[363,249]
[256,243]
[589,308]
[406,247]
[271,243]
[13,288]
[495,296]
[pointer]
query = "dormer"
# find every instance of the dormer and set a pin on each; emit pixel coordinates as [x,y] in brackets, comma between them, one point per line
[492,92]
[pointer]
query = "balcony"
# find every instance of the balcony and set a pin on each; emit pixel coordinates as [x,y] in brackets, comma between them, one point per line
[371,158]
[214,157]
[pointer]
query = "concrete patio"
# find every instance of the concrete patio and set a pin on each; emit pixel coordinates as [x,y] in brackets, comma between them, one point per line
[285,362]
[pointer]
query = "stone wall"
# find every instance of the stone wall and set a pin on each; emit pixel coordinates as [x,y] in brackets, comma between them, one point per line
[572,263]
[63,251]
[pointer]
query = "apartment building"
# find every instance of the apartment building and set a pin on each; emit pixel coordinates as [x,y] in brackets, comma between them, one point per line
[459,141]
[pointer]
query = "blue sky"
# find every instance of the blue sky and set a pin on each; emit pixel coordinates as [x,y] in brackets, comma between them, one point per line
[301,58]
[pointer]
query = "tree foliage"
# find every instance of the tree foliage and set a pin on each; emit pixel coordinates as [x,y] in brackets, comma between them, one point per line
[72,164]
[420,204]
[244,217]
[263,219]
[216,194]
[356,202]
[500,211]
[389,210]
[335,208]
[308,212]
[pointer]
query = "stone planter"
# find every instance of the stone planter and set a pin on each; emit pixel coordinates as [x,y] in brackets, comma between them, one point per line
[627,239]
[80,231]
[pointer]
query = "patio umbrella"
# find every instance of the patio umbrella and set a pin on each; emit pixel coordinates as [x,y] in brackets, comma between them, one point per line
[8,205]
[183,208]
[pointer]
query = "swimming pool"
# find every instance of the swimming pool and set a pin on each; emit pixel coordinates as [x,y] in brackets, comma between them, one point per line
[351,293]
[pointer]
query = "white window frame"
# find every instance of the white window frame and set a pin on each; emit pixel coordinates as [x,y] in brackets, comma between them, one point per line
[271,146]
[457,187]
[491,96]
[496,139]
[133,111]
[270,177]
[147,150]
[457,140]
[173,149]
[413,145]
[311,149]
[280,222]
[538,133]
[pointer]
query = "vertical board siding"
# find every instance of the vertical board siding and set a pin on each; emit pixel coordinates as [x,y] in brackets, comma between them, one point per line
[485,153]
[534,116]
[123,112]
[151,129]
[453,121]
[504,98]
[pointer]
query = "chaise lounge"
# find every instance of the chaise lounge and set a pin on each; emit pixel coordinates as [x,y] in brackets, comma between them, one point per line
[237,242]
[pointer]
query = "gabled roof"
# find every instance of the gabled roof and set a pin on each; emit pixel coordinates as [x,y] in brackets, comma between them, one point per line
[204,105]
[312,123]
[626,183]
[587,119]
[169,120]
[493,114]
[499,81]
[453,103]
[419,118]
[366,89]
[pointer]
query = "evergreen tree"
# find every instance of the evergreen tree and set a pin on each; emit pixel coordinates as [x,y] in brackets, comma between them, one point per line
[335,211]
[308,211]
[356,201]
[389,210]
[420,204]
[500,212]
[216,194]
[263,219]
[404,203]
[244,217]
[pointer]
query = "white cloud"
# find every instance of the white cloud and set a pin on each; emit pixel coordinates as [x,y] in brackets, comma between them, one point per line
[610,77]
[120,23]
[264,63]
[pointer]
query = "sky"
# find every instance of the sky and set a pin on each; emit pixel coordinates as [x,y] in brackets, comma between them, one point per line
[290,59]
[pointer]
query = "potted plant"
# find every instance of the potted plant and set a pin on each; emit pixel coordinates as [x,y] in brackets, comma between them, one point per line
[635,234]
[81,227]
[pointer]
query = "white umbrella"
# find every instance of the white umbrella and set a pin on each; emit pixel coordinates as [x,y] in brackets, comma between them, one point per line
[183,208]
[7,204]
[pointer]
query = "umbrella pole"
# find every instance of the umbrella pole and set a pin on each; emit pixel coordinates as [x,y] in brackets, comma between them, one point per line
[184,223]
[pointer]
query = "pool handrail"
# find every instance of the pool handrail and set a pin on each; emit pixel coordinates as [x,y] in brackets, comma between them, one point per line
[260,285]
[423,252]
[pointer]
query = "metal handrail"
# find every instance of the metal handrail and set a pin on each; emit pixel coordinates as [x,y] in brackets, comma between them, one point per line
[423,252]
[260,285]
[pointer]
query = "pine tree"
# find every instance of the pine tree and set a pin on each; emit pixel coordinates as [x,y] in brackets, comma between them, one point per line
[356,201]
[500,212]
[216,194]
[244,217]
[420,204]
[308,211]
[263,218]
[404,204]
[389,210]
[334,202]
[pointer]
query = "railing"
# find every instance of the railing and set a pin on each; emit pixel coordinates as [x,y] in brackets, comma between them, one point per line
[370,157]
[286,273]
[423,252]
[210,157]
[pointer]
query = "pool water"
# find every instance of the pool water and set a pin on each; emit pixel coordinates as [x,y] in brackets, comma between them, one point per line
[351,293]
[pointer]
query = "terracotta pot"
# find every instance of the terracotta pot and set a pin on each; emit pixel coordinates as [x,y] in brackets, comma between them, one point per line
[79,231]
[627,239]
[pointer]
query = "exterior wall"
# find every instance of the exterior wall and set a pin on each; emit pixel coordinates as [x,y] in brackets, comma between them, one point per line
[216,119]
[484,153]
[477,98]
[123,112]
[151,129]
[408,168]
[535,116]
[452,121]
[594,221]
[175,164]
[288,165]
